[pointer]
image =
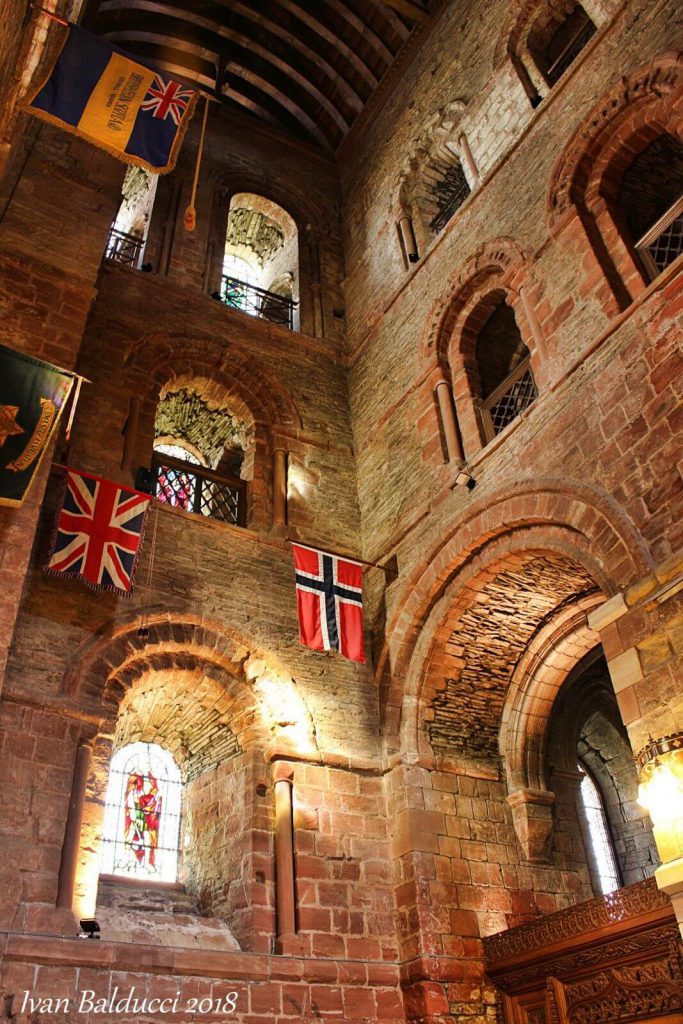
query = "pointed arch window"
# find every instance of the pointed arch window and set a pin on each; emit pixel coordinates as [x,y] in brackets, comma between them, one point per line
[598,832]
[142,814]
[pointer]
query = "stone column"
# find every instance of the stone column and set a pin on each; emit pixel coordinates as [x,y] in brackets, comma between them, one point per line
[316,286]
[449,422]
[130,432]
[408,240]
[279,487]
[533,322]
[72,832]
[468,159]
[284,851]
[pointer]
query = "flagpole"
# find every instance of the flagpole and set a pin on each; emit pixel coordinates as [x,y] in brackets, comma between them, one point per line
[338,554]
[72,24]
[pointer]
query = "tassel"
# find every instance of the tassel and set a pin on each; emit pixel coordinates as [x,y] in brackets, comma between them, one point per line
[190,218]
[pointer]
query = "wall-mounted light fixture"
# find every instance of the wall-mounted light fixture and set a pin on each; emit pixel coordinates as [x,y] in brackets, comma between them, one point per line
[660,764]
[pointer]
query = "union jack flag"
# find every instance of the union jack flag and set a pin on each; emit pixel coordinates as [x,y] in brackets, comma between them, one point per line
[98,533]
[166,98]
[329,599]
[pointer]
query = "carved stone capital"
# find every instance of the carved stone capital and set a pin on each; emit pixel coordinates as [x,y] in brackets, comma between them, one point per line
[532,817]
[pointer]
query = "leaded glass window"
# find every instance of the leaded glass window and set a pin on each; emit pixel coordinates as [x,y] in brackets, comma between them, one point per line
[142,815]
[598,833]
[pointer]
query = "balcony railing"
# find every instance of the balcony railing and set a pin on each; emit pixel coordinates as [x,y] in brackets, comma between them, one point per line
[570,52]
[124,248]
[257,301]
[512,397]
[196,489]
[663,243]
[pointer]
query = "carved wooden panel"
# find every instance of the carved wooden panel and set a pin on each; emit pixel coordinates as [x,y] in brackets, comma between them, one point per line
[613,960]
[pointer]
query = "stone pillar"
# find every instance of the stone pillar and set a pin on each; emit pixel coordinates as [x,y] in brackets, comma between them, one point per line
[130,432]
[284,851]
[640,630]
[449,422]
[279,487]
[316,286]
[72,833]
[533,322]
[408,240]
[468,159]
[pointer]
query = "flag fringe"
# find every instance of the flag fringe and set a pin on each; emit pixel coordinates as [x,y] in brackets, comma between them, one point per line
[126,158]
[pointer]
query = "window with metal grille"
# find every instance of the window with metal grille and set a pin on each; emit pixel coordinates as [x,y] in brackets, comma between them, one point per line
[448,191]
[142,814]
[650,201]
[555,44]
[185,484]
[506,382]
[598,832]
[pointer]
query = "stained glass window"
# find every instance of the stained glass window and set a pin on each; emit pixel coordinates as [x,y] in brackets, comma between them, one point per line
[174,487]
[598,831]
[142,815]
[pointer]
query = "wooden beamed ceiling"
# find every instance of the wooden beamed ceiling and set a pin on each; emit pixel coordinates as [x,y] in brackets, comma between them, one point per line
[309,66]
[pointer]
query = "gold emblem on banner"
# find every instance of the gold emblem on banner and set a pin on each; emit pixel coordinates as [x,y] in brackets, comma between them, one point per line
[8,422]
[38,438]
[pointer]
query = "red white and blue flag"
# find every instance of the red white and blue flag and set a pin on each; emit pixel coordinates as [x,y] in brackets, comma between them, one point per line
[98,533]
[329,598]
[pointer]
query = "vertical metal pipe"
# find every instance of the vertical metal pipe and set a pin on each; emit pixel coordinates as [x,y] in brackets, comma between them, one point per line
[284,857]
[449,422]
[72,833]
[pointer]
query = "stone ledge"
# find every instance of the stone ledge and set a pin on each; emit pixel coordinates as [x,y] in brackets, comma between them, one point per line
[55,951]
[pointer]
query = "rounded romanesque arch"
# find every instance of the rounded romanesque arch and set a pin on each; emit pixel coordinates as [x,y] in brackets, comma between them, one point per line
[646,97]
[160,358]
[499,265]
[577,524]
[162,641]
[582,199]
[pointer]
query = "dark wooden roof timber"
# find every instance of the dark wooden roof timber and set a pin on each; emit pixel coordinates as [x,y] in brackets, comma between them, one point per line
[309,66]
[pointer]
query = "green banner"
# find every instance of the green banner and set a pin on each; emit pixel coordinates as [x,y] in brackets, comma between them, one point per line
[32,397]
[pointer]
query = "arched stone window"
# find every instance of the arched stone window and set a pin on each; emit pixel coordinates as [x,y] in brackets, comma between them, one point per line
[598,836]
[127,238]
[557,37]
[142,815]
[500,373]
[650,201]
[261,250]
[616,193]
[191,430]
[439,175]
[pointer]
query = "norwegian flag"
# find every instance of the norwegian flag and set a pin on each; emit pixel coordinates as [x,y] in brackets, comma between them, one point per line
[329,599]
[98,533]
[166,98]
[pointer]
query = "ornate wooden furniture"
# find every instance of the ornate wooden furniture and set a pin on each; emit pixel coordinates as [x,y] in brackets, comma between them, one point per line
[616,959]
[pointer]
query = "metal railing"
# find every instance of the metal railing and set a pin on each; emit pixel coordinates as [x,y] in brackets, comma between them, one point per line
[663,243]
[257,301]
[196,489]
[571,51]
[124,248]
[510,398]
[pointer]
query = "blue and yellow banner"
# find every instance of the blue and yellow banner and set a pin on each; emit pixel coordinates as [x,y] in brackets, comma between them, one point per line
[132,110]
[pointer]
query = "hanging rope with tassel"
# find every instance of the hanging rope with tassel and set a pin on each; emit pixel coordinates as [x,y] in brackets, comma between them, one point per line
[190,218]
